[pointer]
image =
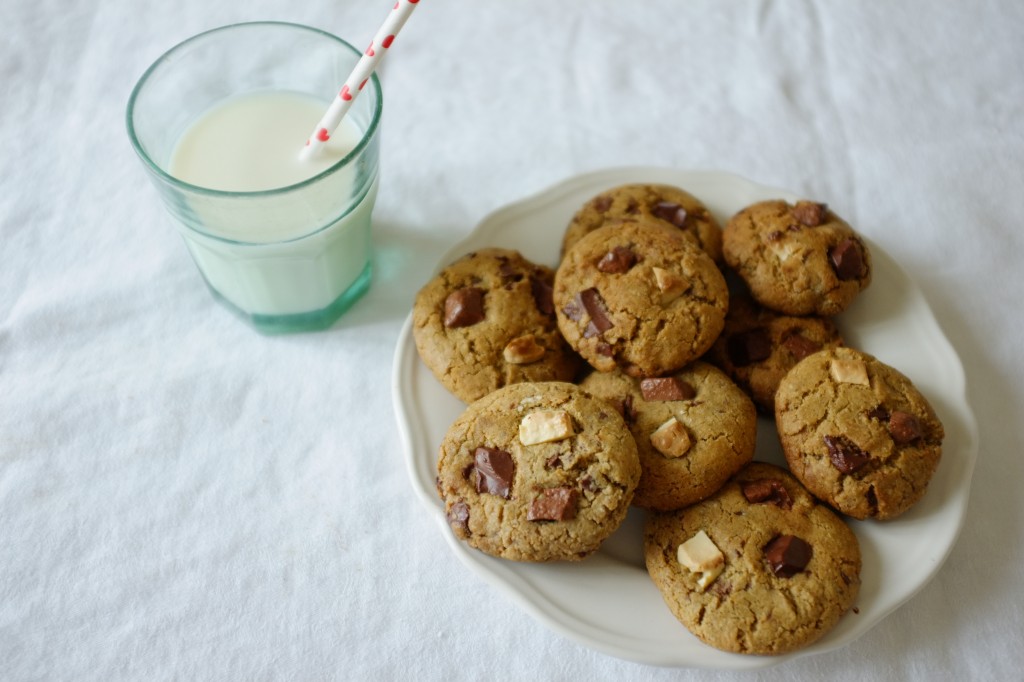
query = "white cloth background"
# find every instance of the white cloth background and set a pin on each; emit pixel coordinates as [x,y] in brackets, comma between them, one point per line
[182,498]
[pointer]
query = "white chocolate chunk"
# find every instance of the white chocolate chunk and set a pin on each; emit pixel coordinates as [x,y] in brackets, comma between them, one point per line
[701,555]
[784,250]
[669,283]
[545,426]
[523,350]
[671,438]
[849,372]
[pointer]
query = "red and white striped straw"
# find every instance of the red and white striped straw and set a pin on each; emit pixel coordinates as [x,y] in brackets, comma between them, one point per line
[364,68]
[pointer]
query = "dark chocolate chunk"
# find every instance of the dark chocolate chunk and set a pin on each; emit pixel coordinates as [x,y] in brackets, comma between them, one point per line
[844,454]
[464,307]
[594,305]
[666,388]
[509,273]
[542,296]
[458,516]
[553,504]
[800,346]
[787,555]
[625,409]
[602,203]
[904,427]
[494,471]
[620,259]
[602,348]
[749,347]
[775,235]
[847,260]
[810,213]
[879,414]
[767,490]
[670,211]
[632,207]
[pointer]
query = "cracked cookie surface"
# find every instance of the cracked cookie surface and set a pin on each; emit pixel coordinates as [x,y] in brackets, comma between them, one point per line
[798,259]
[668,205]
[759,346]
[717,422]
[639,296]
[537,472]
[750,595]
[487,320]
[857,433]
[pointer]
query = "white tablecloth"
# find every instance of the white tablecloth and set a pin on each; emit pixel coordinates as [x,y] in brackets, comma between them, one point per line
[182,498]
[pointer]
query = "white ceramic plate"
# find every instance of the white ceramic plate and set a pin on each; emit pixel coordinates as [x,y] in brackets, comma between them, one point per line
[607,601]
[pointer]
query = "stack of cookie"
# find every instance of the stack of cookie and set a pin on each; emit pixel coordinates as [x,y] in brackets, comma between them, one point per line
[633,375]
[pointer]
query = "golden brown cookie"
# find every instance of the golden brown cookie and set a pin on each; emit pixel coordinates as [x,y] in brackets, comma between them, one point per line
[670,206]
[759,568]
[537,472]
[759,346]
[639,296]
[857,433]
[487,320]
[798,259]
[693,430]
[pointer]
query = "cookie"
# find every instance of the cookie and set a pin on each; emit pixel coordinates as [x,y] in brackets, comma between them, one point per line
[759,346]
[693,430]
[665,204]
[798,259]
[639,296]
[487,320]
[759,568]
[857,433]
[537,472]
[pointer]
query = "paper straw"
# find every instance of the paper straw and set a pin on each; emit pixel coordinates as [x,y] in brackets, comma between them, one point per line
[357,80]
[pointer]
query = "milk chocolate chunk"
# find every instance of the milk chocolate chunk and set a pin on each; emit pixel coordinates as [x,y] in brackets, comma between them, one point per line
[904,427]
[670,211]
[542,296]
[846,259]
[800,346]
[666,388]
[787,555]
[464,307]
[602,203]
[767,490]
[749,347]
[810,213]
[494,471]
[458,516]
[595,307]
[553,504]
[844,454]
[620,259]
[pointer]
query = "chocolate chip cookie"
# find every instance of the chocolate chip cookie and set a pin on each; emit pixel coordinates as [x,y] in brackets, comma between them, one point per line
[758,568]
[639,296]
[759,346]
[798,259]
[537,472]
[670,206]
[857,433]
[693,430]
[487,320]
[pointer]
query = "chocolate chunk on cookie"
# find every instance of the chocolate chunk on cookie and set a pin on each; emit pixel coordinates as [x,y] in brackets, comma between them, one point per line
[537,472]
[667,205]
[761,567]
[652,312]
[857,433]
[487,320]
[693,430]
[798,259]
[759,346]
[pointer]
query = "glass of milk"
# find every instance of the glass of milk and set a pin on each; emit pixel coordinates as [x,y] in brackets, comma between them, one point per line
[220,122]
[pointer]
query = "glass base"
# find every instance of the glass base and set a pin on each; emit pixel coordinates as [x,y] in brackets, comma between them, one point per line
[314,320]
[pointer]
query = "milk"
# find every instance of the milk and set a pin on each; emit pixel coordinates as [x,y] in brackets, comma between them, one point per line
[279,234]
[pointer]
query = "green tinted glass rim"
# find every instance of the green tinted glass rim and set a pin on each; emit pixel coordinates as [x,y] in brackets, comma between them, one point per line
[156,168]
